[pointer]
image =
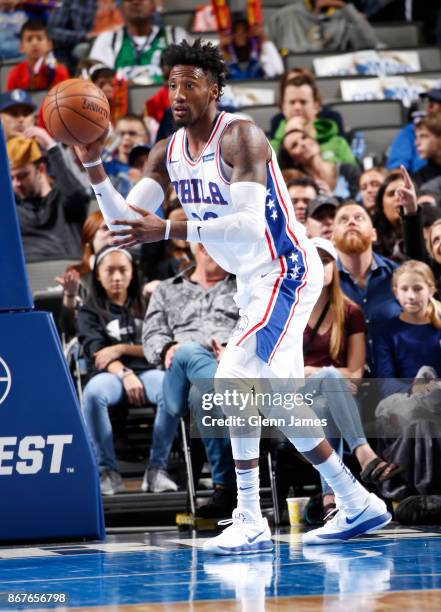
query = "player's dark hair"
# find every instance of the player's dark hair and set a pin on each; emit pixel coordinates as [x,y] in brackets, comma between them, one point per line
[33,25]
[206,56]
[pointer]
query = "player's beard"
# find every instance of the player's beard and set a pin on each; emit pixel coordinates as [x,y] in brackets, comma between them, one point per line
[354,243]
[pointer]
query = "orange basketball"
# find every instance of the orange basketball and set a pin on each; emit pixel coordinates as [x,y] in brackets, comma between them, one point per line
[76,112]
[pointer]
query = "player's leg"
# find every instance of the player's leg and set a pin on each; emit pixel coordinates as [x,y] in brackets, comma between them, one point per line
[249,531]
[359,511]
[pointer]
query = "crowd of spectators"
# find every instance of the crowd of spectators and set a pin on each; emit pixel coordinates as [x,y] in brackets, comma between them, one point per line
[153,320]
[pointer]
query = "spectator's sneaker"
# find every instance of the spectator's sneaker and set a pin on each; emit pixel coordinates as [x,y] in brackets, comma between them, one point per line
[111,483]
[341,528]
[242,537]
[157,481]
[220,506]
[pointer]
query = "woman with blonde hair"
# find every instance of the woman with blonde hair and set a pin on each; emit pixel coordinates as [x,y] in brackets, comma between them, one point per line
[334,345]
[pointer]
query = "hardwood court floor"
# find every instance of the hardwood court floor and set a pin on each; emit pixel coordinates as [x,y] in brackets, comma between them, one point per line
[398,568]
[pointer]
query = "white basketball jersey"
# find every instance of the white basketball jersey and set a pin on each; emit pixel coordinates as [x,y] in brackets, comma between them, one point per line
[203,188]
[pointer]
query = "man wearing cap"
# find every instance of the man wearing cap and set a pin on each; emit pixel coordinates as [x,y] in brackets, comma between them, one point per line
[403,151]
[320,214]
[51,213]
[17,112]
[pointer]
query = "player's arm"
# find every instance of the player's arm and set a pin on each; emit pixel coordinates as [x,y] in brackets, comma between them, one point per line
[245,148]
[147,195]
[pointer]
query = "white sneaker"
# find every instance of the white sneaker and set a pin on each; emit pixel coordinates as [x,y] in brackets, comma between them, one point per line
[341,528]
[242,537]
[353,565]
[157,481]
[249,578]
[111,482]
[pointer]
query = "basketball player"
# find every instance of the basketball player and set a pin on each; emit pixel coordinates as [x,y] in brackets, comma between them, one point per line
[228,181]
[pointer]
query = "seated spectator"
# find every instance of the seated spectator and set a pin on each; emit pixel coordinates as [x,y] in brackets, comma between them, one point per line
[325,112]
[130,131]
[138,157]
[365,277]
[301,100]
[104,77]
[321,25]
[334,349]
[408,354]
[248,52]
[74,24]
[369,184]
[428,143]
[40,69]
[110,334]
[51,212]
[12,19]
[302,191]
[137,45]
[421,226]
[69,24]
[301,151]
[395,217]
[77,280]
[403,150]
[188,321]
[411,339]
[17,112]
[319,217]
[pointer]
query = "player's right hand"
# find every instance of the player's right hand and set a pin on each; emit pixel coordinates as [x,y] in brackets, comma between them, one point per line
[91,152]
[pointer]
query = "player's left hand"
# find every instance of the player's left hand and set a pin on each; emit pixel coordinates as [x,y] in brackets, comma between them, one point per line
[149,228]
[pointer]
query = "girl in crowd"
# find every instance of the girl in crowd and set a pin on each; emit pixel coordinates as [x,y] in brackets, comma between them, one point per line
[334,344]
[301,151]
[370,182]
[412,339]
[110,325]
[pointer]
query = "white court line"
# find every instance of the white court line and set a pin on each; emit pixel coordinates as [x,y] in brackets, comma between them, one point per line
[111,548]
[193,542]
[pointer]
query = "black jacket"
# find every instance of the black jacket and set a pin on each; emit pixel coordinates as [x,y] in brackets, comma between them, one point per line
[51,226]
[115,325]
